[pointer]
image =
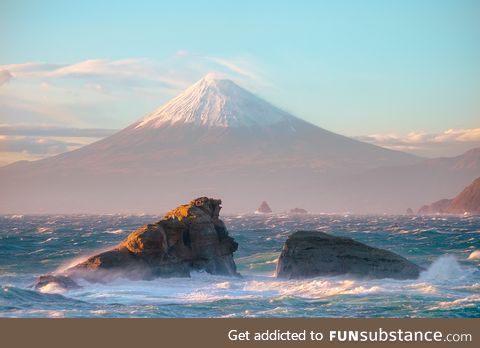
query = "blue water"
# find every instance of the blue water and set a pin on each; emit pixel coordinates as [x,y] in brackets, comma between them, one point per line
[450,286]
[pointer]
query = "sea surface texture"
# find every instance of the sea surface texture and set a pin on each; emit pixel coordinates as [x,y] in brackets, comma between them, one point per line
[445,246]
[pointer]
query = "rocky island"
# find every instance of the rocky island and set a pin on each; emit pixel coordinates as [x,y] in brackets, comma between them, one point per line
[310,254]
[264,208]
[190,237]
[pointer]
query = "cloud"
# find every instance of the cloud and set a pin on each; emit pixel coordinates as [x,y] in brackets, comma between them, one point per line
[235,67]
[449,142]
[135,68]
[412,138]
[460,135]
[5,76]
[52,131]
[35,145]
[176,72]
[23,142]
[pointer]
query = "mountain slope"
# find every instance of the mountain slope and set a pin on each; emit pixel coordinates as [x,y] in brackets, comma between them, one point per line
[467,201]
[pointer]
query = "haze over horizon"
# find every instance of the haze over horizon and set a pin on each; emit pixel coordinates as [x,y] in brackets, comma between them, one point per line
[393,74]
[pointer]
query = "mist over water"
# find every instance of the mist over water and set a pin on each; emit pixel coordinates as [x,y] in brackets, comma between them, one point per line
[449,286]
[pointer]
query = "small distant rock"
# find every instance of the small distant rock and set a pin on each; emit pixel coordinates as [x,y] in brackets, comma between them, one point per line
[308,254]
[298,211]
[264,208]
[409,211]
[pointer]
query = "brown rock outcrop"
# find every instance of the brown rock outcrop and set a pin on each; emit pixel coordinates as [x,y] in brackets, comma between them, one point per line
[467,201]
[190,237]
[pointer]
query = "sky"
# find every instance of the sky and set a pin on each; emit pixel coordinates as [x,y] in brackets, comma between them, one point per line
[401,74]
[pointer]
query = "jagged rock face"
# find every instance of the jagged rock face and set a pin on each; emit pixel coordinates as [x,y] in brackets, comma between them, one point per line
[264,208]
[310,253]
[191,237]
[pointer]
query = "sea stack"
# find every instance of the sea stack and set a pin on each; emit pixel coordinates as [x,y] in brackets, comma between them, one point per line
[190,237]
[308,254]
[264,208]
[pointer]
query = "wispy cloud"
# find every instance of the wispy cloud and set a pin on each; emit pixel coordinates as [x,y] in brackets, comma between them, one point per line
[5,76]
[449,142]
[53,131]
[35,145]
[170,72]
[96,68]
[235,66]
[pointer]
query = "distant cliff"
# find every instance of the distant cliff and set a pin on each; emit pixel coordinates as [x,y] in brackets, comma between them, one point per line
[467,201]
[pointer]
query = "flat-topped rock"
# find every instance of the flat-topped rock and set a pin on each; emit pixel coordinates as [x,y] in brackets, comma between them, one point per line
[310,254]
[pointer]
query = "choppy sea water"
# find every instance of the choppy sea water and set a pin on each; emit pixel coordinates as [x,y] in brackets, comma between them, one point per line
[450,286]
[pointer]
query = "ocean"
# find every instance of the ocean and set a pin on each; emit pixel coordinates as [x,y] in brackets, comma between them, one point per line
[449,287]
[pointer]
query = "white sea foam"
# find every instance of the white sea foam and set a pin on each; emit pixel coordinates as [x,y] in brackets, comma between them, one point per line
[469,301]
[445,268]
[48,240]
[52,288]
[119,231]
[43,229]
[424,288]
[79,259]
[56,314]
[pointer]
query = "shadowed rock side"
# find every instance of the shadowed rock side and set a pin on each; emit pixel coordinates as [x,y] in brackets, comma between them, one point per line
[191,237]
[310,253]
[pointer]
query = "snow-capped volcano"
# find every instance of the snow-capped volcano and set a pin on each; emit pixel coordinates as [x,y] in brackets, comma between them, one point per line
[217,139]
[215,102]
